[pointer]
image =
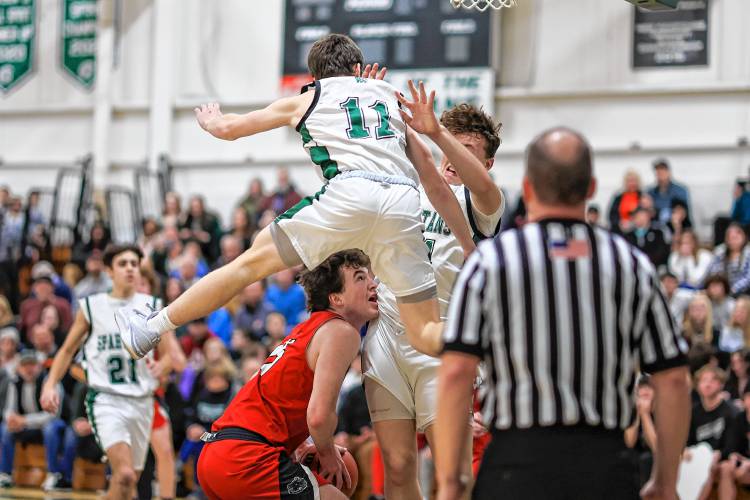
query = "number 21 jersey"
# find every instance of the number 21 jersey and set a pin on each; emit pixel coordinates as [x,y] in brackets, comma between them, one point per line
[108,366]
[353,124]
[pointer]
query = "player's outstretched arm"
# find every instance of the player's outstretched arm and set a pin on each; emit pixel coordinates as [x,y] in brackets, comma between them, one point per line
[485,193]
[438,191]
[333,349]
[287,111]
[50,397]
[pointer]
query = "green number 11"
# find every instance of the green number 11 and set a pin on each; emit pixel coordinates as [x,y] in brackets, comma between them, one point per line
[357,127]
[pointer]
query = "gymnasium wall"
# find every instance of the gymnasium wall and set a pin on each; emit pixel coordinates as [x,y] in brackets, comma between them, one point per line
[558,63]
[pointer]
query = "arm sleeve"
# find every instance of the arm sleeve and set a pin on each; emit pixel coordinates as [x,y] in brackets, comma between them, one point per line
[661,345]
[466,313]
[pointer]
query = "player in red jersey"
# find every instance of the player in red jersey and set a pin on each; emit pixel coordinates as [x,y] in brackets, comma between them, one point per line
[248,453]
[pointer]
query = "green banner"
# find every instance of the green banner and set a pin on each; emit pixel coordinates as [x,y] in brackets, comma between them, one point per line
[79,40]
[17,34]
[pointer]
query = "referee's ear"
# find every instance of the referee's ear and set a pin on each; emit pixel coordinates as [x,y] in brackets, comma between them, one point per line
[592,188]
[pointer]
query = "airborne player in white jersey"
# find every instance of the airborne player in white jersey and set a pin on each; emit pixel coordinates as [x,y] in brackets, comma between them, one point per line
[119,403]
[357,135]
[400,382]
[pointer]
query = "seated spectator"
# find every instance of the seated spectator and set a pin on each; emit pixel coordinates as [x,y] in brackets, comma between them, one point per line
[665,191]
[641,436]
[9,341]
[242,228]
[251,315]
[741,204]
[43,343]
[202,226]
[214,352]
[715,421]
[722,305]
[284,197]
[624,203]
[231,248]
[698,325]
[197,335]
[147,241]
[209,404]
[61,287]
[193,249]
[11,231]
[648,238]
[187,271]
[252,201]
[221,323]
[96,279]
[677,298]
[43,295]
[733,259]
[736,334]
[592,215]
[688,261]
[287,297]
[24,421]
[172,290]
[739,375]
[679,221]
[172,214]
[249,366]
[7,318]
[99,238]
[276,330]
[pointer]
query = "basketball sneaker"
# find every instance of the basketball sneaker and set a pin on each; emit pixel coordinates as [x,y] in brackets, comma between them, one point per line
[136,336]
[6,481]
[55,481]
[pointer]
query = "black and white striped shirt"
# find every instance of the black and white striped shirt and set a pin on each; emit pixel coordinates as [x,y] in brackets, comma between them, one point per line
[562,314]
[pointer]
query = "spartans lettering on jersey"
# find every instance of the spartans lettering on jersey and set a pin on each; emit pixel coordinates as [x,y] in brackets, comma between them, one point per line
[108,342]
[434,223]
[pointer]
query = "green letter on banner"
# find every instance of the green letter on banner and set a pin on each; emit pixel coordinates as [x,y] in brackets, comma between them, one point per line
[17,34]
[79,40]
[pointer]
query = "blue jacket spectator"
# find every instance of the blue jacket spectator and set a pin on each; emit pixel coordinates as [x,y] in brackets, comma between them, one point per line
[220,322]
[287,297]
[665,191]
[741,205]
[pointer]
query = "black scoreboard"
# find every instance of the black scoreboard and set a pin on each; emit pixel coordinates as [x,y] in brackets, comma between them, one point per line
[402,34]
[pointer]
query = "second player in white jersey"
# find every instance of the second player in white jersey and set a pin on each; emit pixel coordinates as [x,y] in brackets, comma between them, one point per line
[400,382]
[108,366]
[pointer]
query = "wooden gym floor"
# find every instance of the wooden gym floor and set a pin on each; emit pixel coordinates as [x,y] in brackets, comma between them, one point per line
[35,493]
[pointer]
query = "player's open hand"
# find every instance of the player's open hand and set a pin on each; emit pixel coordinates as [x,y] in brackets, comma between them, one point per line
[50,399]
[333,469]
[372,71]
[422,109]
[207,112]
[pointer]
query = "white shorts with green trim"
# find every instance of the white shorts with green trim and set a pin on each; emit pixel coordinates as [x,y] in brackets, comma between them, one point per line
[400,382]
[380,217]
[121,419]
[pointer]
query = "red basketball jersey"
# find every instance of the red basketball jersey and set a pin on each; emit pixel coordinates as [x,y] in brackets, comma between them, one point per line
[274,402]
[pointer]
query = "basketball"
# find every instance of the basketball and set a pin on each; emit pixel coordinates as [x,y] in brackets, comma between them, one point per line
[311,460]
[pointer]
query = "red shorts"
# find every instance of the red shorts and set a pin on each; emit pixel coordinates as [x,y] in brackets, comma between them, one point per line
[234,468]
[480,444]
[161,417]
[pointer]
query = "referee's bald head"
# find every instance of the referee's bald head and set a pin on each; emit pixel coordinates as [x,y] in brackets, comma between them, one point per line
[558,166]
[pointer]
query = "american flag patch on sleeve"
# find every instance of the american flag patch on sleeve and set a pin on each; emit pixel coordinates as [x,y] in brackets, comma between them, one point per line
[569,249]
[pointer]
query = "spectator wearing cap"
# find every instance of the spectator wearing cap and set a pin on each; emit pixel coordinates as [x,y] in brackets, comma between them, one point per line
[61,288]
[592,215]
[9,340]
[24,421]
[732,259]
[43,294]
[625,202]
[648,238]
[96,280]
[666,190]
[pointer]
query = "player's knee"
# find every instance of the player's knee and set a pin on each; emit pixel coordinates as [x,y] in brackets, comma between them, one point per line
[400,465]
[126,477]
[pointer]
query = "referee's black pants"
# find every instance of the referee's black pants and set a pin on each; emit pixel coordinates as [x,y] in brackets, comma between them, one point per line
[557,463]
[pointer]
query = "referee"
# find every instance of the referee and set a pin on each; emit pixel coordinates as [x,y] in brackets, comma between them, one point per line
[563,314]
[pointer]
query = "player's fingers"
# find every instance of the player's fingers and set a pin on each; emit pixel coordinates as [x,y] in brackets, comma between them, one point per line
[357,71]
[347,477]
[197,110]
[413,91]
[407,119]
[381,73]
[366,71]
[422,93]
[374,71]
[403,101]
[431,100]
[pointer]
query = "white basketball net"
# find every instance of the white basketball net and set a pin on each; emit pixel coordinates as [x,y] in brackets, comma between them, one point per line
[482,5]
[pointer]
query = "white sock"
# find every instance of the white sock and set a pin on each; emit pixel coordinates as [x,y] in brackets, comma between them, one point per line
[161,322]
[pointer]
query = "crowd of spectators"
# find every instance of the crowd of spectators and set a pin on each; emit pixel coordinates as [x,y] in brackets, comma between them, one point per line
[705,285]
